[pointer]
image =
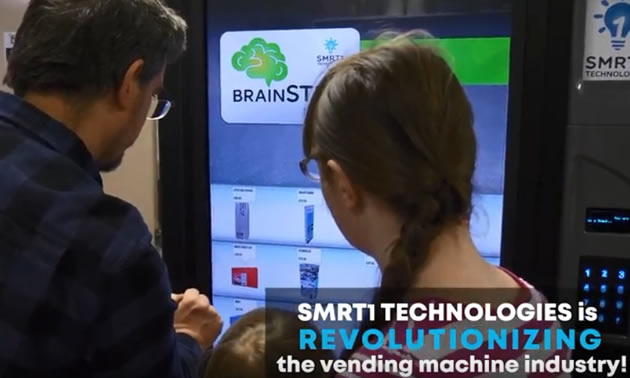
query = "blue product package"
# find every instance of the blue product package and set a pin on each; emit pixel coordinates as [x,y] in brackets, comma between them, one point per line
[309,222]
[309,277]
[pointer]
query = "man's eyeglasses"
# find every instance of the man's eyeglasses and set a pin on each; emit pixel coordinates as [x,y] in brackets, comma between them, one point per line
[310,168]
[159,108]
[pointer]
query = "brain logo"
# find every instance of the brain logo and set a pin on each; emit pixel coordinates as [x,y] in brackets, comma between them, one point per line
[261,60]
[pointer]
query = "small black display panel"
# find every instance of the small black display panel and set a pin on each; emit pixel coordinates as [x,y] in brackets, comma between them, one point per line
[604,283]
[615,221]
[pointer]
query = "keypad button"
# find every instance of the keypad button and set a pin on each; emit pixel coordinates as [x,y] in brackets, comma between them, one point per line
[603,284]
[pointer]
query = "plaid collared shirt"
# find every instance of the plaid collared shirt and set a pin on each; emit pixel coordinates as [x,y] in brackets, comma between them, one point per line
[82,291]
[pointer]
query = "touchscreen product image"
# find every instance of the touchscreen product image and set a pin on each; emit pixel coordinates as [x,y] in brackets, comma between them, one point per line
[309,277]
[309,222]
[263,67]
[247,277]
[241,211]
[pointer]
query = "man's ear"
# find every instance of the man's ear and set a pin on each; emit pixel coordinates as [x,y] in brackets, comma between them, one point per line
[129,88]
[347,191]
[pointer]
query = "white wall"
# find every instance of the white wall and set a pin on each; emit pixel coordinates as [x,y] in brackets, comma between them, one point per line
[11,12]
[136,180]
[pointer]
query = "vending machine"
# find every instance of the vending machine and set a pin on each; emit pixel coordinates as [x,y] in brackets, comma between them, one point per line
[594,251]
[238,215]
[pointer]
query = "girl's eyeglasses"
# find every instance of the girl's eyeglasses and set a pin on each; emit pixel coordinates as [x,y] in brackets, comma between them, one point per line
[310,168]
[159,108]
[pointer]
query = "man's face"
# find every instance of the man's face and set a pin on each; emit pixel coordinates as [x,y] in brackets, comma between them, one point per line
[127,123]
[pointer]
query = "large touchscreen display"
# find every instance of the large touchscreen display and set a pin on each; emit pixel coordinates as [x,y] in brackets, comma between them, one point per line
[270,225]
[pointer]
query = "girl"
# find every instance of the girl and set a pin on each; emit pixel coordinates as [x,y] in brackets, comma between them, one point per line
[391,131]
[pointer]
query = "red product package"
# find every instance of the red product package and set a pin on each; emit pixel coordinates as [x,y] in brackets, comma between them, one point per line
[247,277]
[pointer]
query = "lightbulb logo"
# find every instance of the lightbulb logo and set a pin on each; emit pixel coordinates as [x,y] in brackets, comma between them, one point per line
[330,45]
[261,60]
[616,20]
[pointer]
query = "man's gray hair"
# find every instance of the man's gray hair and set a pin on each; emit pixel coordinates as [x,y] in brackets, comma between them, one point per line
[84,48]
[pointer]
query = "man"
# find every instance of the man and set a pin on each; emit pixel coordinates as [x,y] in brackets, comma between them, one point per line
[82,291]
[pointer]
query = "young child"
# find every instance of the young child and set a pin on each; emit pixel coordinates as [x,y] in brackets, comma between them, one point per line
[251,347]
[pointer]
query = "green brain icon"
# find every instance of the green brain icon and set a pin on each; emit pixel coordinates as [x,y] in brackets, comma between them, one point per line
[261,60]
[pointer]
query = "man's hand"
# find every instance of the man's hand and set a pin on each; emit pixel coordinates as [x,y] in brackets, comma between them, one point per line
[196,317]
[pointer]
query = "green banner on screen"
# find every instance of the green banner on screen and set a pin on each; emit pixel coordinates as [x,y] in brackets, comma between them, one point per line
[476,61]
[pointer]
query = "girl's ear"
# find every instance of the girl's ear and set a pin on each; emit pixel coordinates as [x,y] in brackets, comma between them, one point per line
[341,184]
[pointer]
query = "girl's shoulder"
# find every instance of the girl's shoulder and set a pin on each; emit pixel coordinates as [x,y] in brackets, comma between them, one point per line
[412,357]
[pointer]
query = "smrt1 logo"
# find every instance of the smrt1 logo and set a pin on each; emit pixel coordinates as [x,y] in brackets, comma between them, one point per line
[616,20]
[330,45]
